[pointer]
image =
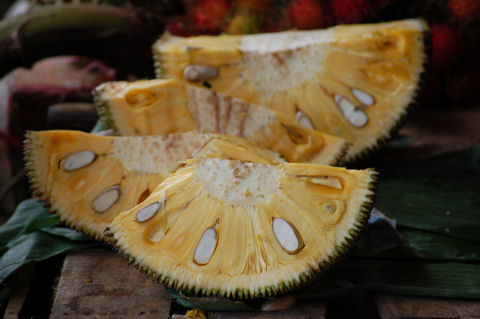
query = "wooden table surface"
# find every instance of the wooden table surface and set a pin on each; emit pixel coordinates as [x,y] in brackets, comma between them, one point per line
[100,284]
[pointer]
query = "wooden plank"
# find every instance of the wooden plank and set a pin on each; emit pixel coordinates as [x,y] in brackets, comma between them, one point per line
[397,307]
[21,287]
[100,284]
[302,310]
[16,303]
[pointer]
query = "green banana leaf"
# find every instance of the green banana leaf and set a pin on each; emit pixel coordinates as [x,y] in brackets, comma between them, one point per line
[33,234]
[439,194]
[419,244]
[36,246]
[409,277]
[27,217]
[433,246]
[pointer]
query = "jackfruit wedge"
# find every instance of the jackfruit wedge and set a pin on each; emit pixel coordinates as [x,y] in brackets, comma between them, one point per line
[166,106]
[236,229]
[352,81]
[88,179]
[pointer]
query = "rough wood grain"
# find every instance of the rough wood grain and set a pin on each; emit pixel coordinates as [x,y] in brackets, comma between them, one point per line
[302,310]
[100,284]
[400,307]
[16,302]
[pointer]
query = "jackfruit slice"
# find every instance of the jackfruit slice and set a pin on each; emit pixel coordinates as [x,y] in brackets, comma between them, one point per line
[87,179]
[230,228]
[144,107]
[353,81]
[169,105]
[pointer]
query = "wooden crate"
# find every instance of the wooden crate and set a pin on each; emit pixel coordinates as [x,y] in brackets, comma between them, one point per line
[101,284]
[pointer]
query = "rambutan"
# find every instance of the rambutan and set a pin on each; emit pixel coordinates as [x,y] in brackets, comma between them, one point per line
[306,14]
[465,10]
[252,5]
[209,14]
[351,11]
[180,26]
[445,45]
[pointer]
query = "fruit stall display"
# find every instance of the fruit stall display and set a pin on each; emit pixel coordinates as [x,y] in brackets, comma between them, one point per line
[234,138]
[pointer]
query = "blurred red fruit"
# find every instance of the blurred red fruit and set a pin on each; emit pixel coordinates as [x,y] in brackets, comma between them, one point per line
[351,11]
[306,14]
[252,5]
[465,9]
[445,45]
[180,26]
[209,14]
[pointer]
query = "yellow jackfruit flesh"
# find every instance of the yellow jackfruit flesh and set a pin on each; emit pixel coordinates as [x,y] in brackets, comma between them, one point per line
[166,106]
[352,81]
[88,179]
[236,229]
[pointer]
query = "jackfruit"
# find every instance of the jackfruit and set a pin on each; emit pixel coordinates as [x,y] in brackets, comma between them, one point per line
[236,229]
[166,106]
[88,179]
[144,107]
[352,81]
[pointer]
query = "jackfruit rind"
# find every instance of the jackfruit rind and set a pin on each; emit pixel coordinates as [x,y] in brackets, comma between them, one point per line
[352,81]
[211,112]
[88,179]
[229,228]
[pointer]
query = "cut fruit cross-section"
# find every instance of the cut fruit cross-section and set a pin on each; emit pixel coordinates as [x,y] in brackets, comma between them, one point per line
[88,179]
[238,229]
[210,111]
[352,81]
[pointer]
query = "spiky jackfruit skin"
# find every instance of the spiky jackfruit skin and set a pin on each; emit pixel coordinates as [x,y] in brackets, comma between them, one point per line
[212,112]
[353,81]
[127,168]
[244,230]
